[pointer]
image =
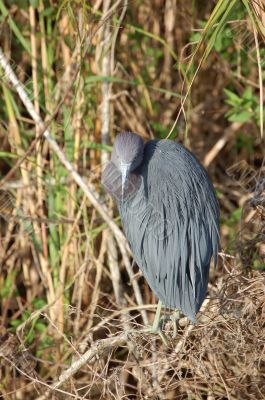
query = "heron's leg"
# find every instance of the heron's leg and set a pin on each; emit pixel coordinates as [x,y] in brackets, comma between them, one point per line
[157,320]
[175,316]
[156,327]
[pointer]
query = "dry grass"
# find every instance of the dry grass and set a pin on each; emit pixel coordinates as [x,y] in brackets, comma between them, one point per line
[220,357]
[69,296]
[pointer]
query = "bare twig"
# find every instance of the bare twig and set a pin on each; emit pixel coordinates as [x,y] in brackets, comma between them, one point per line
[210,156]
[94,353]
[105,87]
[260,80]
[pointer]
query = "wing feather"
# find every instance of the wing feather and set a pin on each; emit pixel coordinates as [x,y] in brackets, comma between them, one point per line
[174,229]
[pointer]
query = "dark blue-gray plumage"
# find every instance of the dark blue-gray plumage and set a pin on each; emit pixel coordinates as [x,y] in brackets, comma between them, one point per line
[170,216]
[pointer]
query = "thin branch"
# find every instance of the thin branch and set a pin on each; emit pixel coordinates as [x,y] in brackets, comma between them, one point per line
[260,81]
[95,352]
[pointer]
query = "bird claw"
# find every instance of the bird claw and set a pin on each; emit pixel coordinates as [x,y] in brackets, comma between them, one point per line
[153,330]
[157,326]
[174,319]
[158,331]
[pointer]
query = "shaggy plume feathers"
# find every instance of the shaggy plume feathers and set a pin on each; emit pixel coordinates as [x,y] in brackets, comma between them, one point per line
[171,221]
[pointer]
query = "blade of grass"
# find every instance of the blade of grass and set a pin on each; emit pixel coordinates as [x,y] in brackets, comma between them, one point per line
[97,78]
[254,17]
[256,25]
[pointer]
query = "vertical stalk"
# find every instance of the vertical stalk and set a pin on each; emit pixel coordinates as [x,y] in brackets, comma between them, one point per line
[39,171]
[105,88]
[39,163]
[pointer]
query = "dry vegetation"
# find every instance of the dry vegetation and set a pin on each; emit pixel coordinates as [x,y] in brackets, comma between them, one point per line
[68,293]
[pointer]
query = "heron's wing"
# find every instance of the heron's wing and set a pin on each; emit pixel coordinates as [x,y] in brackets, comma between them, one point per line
[172,226]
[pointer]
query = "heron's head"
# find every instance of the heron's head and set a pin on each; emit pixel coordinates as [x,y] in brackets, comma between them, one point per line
[127,153]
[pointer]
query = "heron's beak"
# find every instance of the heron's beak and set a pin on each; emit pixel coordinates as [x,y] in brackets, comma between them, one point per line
[125,169]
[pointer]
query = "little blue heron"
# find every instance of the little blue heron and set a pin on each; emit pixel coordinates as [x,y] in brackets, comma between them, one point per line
[170,216]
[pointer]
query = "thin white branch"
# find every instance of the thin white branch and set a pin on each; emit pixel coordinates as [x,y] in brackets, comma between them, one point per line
[105,87]
[260,81]
[96,350]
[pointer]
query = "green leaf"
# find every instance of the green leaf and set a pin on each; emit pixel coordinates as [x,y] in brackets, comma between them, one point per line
[15,323]
[234,98]
[8,155]
[38,304]
[195,37]
[218,44]
[248,95]
[6,290]
[41,327]
[243,116]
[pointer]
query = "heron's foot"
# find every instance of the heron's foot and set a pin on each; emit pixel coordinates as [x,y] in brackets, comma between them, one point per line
[159,322]
[174,317]
[156,329]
